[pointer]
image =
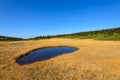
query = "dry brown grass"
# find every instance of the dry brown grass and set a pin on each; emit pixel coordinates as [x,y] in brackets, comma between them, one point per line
[95,60]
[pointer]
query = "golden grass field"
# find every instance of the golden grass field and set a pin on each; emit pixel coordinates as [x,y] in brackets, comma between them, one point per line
[95,60]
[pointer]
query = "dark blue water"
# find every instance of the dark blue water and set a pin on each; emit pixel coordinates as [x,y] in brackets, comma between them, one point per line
[44,54]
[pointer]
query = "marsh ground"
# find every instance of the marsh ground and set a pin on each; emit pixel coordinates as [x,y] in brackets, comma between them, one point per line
[95,60]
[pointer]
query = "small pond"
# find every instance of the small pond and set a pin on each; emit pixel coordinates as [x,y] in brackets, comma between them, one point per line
[16,44]
[44,54]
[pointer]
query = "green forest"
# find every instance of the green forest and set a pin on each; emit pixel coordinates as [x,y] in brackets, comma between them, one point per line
[106,34]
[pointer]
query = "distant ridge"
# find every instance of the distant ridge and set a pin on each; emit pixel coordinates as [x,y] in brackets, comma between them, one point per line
[6,38]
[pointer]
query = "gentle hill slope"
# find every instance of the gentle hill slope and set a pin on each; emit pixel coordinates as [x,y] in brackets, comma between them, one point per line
[107,34]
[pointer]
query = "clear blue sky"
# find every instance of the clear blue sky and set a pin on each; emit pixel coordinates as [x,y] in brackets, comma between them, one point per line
[30,18]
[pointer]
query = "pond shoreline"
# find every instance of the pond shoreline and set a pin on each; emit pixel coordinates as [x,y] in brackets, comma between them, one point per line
[20,61]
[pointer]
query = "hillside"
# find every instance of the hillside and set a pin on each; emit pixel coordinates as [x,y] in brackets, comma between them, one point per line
[6,38]
[107,34]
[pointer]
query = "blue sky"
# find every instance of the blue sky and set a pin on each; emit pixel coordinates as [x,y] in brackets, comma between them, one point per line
[30,18]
